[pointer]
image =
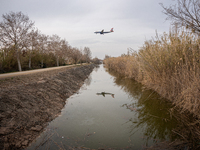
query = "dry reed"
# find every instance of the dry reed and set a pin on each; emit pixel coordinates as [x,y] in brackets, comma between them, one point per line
[170,65]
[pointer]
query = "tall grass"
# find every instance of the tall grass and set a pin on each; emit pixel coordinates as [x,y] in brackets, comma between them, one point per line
[168,64]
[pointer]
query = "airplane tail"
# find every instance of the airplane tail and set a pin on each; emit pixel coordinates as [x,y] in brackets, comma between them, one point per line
[111,30]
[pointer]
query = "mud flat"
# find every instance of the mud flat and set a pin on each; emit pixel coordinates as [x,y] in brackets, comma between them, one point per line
[29,102]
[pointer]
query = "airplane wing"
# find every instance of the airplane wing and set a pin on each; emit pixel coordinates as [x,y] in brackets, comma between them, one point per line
[101,32]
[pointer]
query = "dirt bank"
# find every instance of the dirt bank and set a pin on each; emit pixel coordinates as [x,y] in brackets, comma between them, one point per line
[28,103]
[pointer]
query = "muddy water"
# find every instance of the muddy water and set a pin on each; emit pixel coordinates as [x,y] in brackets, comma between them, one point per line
[131,119]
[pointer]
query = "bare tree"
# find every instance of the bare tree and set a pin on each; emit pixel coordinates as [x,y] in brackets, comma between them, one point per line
[55,47]
[106,57]
[87,54]
[42,46]
[2,56]
[69,54]
[65,50]
[96,60]
[185,13]
[75,54]
[13,31]
[33,44]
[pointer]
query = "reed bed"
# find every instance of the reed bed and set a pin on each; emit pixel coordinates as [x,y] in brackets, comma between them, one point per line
[170,65]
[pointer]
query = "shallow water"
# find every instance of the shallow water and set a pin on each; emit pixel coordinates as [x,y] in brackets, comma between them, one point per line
[133,119]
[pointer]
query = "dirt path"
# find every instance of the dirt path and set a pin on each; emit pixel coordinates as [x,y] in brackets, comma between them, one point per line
[29,102]
[9,75]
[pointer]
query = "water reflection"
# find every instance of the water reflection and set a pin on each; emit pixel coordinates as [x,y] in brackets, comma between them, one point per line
[104,94]
[133,119]
[131,87]
[152,111]
[96,68]
[88,80]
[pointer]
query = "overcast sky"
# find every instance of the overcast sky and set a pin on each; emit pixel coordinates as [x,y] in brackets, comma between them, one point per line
[134,21]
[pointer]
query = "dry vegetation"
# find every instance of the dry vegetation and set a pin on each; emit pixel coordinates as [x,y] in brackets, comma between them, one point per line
[170,65]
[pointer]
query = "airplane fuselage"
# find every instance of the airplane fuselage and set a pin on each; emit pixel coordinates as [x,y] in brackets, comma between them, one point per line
[102,31]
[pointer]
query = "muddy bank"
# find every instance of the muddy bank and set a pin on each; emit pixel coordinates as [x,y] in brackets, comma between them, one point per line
[28,103]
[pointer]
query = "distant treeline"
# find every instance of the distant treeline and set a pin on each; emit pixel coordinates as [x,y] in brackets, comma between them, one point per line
[23,47]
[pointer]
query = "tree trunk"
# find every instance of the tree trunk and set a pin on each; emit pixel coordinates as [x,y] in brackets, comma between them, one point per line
[29,64]
[18,59]
[42,64]
[4,55]
[57,60]
[19,64]
[30,56]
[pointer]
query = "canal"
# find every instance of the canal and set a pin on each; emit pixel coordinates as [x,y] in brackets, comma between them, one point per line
[132,118]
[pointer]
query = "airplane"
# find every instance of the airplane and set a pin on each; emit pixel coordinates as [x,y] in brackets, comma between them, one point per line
[102,32]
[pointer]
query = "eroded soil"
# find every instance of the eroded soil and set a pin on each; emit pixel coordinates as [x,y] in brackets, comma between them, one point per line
[28,103]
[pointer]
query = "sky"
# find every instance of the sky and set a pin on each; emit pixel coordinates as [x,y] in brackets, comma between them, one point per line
[134,21]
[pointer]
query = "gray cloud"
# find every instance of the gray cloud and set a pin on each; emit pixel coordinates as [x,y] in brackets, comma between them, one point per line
[134,21]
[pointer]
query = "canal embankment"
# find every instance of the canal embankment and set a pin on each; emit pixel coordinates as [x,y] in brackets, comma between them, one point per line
[29,102]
